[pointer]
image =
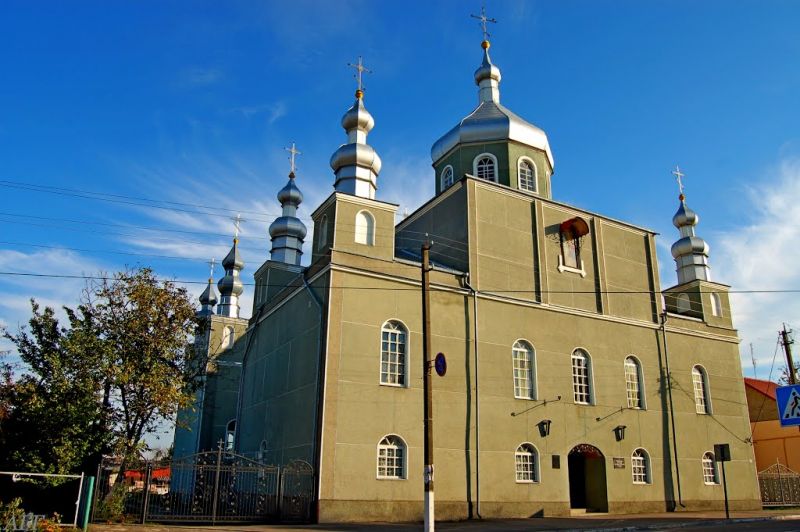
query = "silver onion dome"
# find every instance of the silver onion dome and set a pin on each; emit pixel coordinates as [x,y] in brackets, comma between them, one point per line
[357,164]
[230,286]
[685,216]
[491,121]
[287,231]
[690,251]
[208,299]
[290,194]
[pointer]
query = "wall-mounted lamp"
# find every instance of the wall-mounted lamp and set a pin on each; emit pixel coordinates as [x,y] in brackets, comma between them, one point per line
[544,427]
[619,432]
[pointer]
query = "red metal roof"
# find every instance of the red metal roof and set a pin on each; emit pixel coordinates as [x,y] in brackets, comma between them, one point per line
[764,387]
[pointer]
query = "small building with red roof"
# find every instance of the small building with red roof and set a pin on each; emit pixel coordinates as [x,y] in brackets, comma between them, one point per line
[771,442]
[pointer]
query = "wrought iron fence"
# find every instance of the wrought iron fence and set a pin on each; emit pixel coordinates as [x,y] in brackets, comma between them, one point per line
[212,487]
[780,486]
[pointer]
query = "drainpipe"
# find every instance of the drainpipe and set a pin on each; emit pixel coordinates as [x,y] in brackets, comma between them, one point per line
[671,407]
[474,292]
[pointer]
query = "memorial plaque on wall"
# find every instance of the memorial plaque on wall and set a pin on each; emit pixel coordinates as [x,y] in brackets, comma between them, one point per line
[619,462]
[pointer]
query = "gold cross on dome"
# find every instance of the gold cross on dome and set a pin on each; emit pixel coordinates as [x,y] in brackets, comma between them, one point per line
[360,69]
[483,20]
[678,176]
[294,152]
[211,265]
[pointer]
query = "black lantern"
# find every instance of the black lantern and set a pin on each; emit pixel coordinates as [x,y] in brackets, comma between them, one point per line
[619,432]
[544,427]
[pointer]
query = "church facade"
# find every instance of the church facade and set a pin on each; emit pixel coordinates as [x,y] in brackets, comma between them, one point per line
[574,380]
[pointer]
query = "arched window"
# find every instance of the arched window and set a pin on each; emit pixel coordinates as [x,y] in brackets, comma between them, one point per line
[702,398]
[571,232]
[683,303]
[228,336]
[527,463]
[365,228]
[526,175]
[262,450]
[716,304]
[394,344]
[323,232]
[524,362]
[486,167]
[447,177]
[710,474]
[640,467]
[230,435]
[392,457]
[581,377]
[633,383]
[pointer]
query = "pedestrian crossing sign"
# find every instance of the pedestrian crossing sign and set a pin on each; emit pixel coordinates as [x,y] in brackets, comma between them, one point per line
[788,399]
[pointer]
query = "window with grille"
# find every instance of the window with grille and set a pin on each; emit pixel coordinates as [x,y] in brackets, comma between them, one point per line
[447,177]
[710,475]
[640,467]
[633,383]
[393,353]
[526,459]
[524,375]
[485,168]
[392,458]
[581,377]
[527,176]
[700,385]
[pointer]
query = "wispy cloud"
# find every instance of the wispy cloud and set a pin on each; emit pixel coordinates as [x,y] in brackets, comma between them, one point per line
[273,111]
[762,254]
[198,76]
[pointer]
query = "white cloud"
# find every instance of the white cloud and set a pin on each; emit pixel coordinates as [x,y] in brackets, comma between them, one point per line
[762,254]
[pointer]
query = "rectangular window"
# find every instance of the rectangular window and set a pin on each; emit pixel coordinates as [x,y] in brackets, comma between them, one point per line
[699,392]
[526,468]
[580,378]
[523,373]
[639,469]
[390,462]
[632,384]
[393,355]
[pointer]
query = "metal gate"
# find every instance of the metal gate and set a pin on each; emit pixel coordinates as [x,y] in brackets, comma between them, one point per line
[779,485]
[210,487]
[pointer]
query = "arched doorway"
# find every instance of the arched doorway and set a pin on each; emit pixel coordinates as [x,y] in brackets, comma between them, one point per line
[587,478]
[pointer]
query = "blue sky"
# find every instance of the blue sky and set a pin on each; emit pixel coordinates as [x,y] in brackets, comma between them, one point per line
[193,102]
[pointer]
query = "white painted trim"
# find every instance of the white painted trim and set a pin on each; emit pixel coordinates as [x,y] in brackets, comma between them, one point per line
[407,375]
[526,159]
[404,475]
[640,369]
[442,186]
[536,464]
[496,166]
[590,370]
[371,224]
[562,268]
[647,467]
[706,389]
[533,373]
[713,465]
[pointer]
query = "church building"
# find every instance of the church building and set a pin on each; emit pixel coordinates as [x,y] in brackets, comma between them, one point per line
[575,381]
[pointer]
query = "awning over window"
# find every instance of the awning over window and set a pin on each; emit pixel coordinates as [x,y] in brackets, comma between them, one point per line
[574,228]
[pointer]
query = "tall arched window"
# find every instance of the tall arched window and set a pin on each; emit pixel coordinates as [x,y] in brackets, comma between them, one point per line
[228,336]
[486,167]
[365,228]
[394,344]
[392,457]
[683,303]
[710,474]
[447,177]
[526,175]
[633,383]
[262,450]
[581,377]
[323,232]
[526,459]
[640,467]
[716,304]
[702,402]
[524,362]
[230,435]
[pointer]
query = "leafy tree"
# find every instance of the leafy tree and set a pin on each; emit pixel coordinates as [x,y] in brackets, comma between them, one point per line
[122,366]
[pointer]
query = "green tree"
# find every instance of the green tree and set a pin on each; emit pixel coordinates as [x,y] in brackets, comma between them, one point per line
[122,367]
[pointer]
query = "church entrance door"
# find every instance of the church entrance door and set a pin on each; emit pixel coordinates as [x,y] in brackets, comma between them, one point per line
[587,478]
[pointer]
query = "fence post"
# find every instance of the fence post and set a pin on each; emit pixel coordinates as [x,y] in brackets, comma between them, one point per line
[146,497]
[216,484]
[87,504]
[78,501]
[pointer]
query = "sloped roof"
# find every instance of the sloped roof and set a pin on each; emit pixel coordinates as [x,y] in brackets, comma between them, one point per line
[766,388]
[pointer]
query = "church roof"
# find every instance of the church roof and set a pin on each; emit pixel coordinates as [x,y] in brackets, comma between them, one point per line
[766,388]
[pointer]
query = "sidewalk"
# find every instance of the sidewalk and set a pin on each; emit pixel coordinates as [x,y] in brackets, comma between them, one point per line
[597,522]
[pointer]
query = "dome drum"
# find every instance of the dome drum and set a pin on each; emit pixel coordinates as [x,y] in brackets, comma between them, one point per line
[230,285]
[362,155]
[689,245]
[287,226]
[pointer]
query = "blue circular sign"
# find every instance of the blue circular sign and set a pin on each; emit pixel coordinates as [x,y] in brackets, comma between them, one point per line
[440,363]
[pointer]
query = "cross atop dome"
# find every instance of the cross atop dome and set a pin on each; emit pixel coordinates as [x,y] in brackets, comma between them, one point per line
[360,69]
[483,20]
[211,265]
[294,152]
[237,222]
[678,176]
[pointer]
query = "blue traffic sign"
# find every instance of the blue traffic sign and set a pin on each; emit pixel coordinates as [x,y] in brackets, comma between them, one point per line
[788,404]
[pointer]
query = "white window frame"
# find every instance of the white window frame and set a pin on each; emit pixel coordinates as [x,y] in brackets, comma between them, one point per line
[494,162]
[716,305]
[391,327]
[589,393]
[526,463]
[534,176]
[640,467]
[710,470]
[445,182]
[228,337]
[683,304]
[639,383]
[230,435]
[386,445]
[365,232]
[702,390]
[524,371]
[323,232]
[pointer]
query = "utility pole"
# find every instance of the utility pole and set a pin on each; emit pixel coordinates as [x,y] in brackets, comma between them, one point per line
[787,347]
[753,358]
[426,384]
